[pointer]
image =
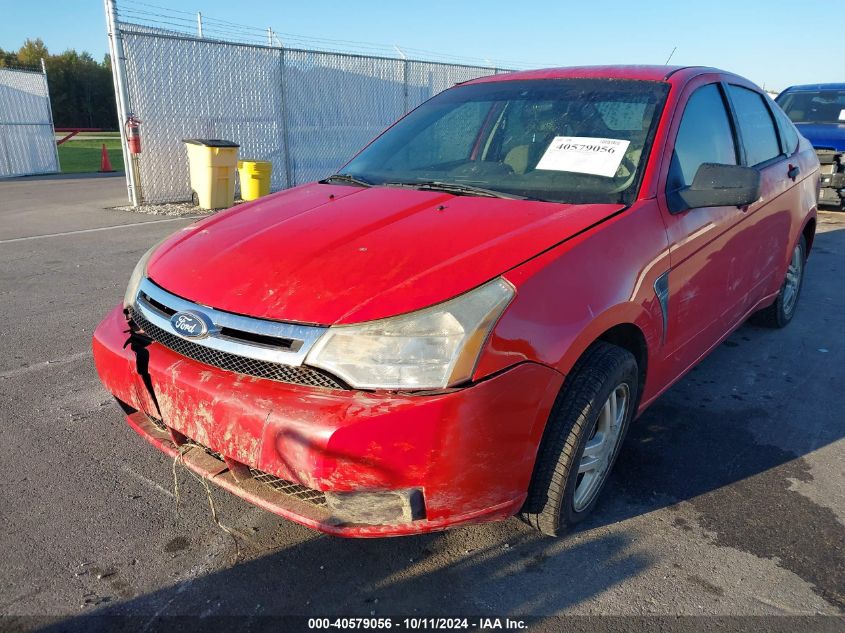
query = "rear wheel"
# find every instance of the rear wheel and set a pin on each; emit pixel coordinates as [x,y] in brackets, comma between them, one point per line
[780,313]
[582,439]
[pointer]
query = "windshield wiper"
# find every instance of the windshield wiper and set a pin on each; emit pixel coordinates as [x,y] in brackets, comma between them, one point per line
[347,178]
[457,188]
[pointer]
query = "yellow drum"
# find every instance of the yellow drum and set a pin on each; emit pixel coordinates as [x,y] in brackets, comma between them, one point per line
[255,178]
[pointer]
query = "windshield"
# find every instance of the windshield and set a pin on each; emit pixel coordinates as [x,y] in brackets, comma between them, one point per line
[560,140]
[814,106]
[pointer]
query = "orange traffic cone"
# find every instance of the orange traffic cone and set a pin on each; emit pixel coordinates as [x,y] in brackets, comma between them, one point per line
[105,163]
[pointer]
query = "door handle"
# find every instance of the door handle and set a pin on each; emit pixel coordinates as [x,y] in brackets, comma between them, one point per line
[793,172]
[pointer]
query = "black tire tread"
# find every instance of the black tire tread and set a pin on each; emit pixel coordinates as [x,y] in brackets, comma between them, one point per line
[570,414]
[767,317]
[772,316]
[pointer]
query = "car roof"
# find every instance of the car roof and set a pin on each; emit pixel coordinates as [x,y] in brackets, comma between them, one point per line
[674,74]
[816,87]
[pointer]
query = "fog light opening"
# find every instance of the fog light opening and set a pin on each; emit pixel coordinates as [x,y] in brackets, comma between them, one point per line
[384,507]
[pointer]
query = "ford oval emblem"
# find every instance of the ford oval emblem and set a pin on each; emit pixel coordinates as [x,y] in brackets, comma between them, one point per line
[191,324]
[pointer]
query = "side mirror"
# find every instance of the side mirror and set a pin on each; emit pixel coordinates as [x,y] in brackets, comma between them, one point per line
[718,185]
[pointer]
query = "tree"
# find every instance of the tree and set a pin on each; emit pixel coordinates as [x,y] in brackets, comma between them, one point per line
[8,58]
[32,52]
[81,91]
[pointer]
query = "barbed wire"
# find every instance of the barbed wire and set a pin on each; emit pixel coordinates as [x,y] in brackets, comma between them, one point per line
[24,68]
[184,22]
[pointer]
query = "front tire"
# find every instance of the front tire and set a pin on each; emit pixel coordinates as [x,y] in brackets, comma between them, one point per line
[780,313]
[582,439]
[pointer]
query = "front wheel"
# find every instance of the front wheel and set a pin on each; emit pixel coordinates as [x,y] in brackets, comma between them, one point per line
[780,313]
[582,438]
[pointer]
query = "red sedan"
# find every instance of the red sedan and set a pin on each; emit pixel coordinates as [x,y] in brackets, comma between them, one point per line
[460,325]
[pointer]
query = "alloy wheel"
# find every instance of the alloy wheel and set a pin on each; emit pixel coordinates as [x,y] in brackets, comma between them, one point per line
[792,284]
[601,447]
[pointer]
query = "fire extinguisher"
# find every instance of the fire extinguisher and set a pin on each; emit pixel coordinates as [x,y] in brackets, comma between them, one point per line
[133,134]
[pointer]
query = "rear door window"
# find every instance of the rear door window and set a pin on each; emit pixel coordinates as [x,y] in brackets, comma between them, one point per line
[704,136]
[788,133]
[756,127]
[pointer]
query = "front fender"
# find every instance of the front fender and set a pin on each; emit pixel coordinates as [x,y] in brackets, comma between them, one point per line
[570,295]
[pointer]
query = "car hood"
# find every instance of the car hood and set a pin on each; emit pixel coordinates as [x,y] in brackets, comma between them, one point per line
[331,254]
[824,135]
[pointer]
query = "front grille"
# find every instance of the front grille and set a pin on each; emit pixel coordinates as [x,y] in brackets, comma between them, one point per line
[285,487]
[238,364]
[276,484]
[239,335]
[161,426]
[288,487]
[207,450]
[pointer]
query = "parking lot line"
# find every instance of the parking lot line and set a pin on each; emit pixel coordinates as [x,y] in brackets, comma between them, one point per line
[18,371]
[149,483]
[101,228]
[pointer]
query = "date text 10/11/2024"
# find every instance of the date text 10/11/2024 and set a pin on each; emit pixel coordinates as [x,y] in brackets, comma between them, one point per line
[417,623]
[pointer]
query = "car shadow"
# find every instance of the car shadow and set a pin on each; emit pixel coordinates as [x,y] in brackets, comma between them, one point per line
[419,575]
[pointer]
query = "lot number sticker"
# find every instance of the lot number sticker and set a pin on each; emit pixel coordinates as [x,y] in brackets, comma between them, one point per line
[584,155]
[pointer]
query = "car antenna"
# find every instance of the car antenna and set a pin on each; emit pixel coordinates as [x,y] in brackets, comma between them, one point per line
[666,63]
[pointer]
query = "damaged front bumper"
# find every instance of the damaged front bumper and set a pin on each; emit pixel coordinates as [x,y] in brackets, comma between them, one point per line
[832,181]
[344,462]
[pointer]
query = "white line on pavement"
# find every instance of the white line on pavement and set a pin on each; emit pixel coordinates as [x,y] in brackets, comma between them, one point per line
[101,228]
[18,371]
[149,483]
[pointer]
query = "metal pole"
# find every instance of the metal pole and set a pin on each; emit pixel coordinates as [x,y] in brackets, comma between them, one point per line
[405,87]
[284,112]
[269,36]
[4,149]
[199,24]
[405,101]
[121,93]
[50,112]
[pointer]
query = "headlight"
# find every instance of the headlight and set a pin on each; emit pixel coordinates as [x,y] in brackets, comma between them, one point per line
[430,349]
[137,277]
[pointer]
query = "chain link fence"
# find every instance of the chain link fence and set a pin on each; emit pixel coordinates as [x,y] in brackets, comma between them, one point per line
[27,138]
[306,111]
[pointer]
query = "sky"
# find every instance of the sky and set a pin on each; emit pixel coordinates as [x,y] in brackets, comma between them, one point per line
[774,43]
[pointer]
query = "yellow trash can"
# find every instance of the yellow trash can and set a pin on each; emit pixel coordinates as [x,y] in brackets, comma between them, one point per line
[212,165]
[255,178]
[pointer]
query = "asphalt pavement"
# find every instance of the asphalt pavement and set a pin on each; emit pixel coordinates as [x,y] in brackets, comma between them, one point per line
[728,498]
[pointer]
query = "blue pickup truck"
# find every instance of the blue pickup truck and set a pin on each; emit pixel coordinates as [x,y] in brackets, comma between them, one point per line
[818,111]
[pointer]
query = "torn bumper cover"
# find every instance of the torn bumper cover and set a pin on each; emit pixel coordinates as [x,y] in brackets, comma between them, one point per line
[832,181]
[345,462]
